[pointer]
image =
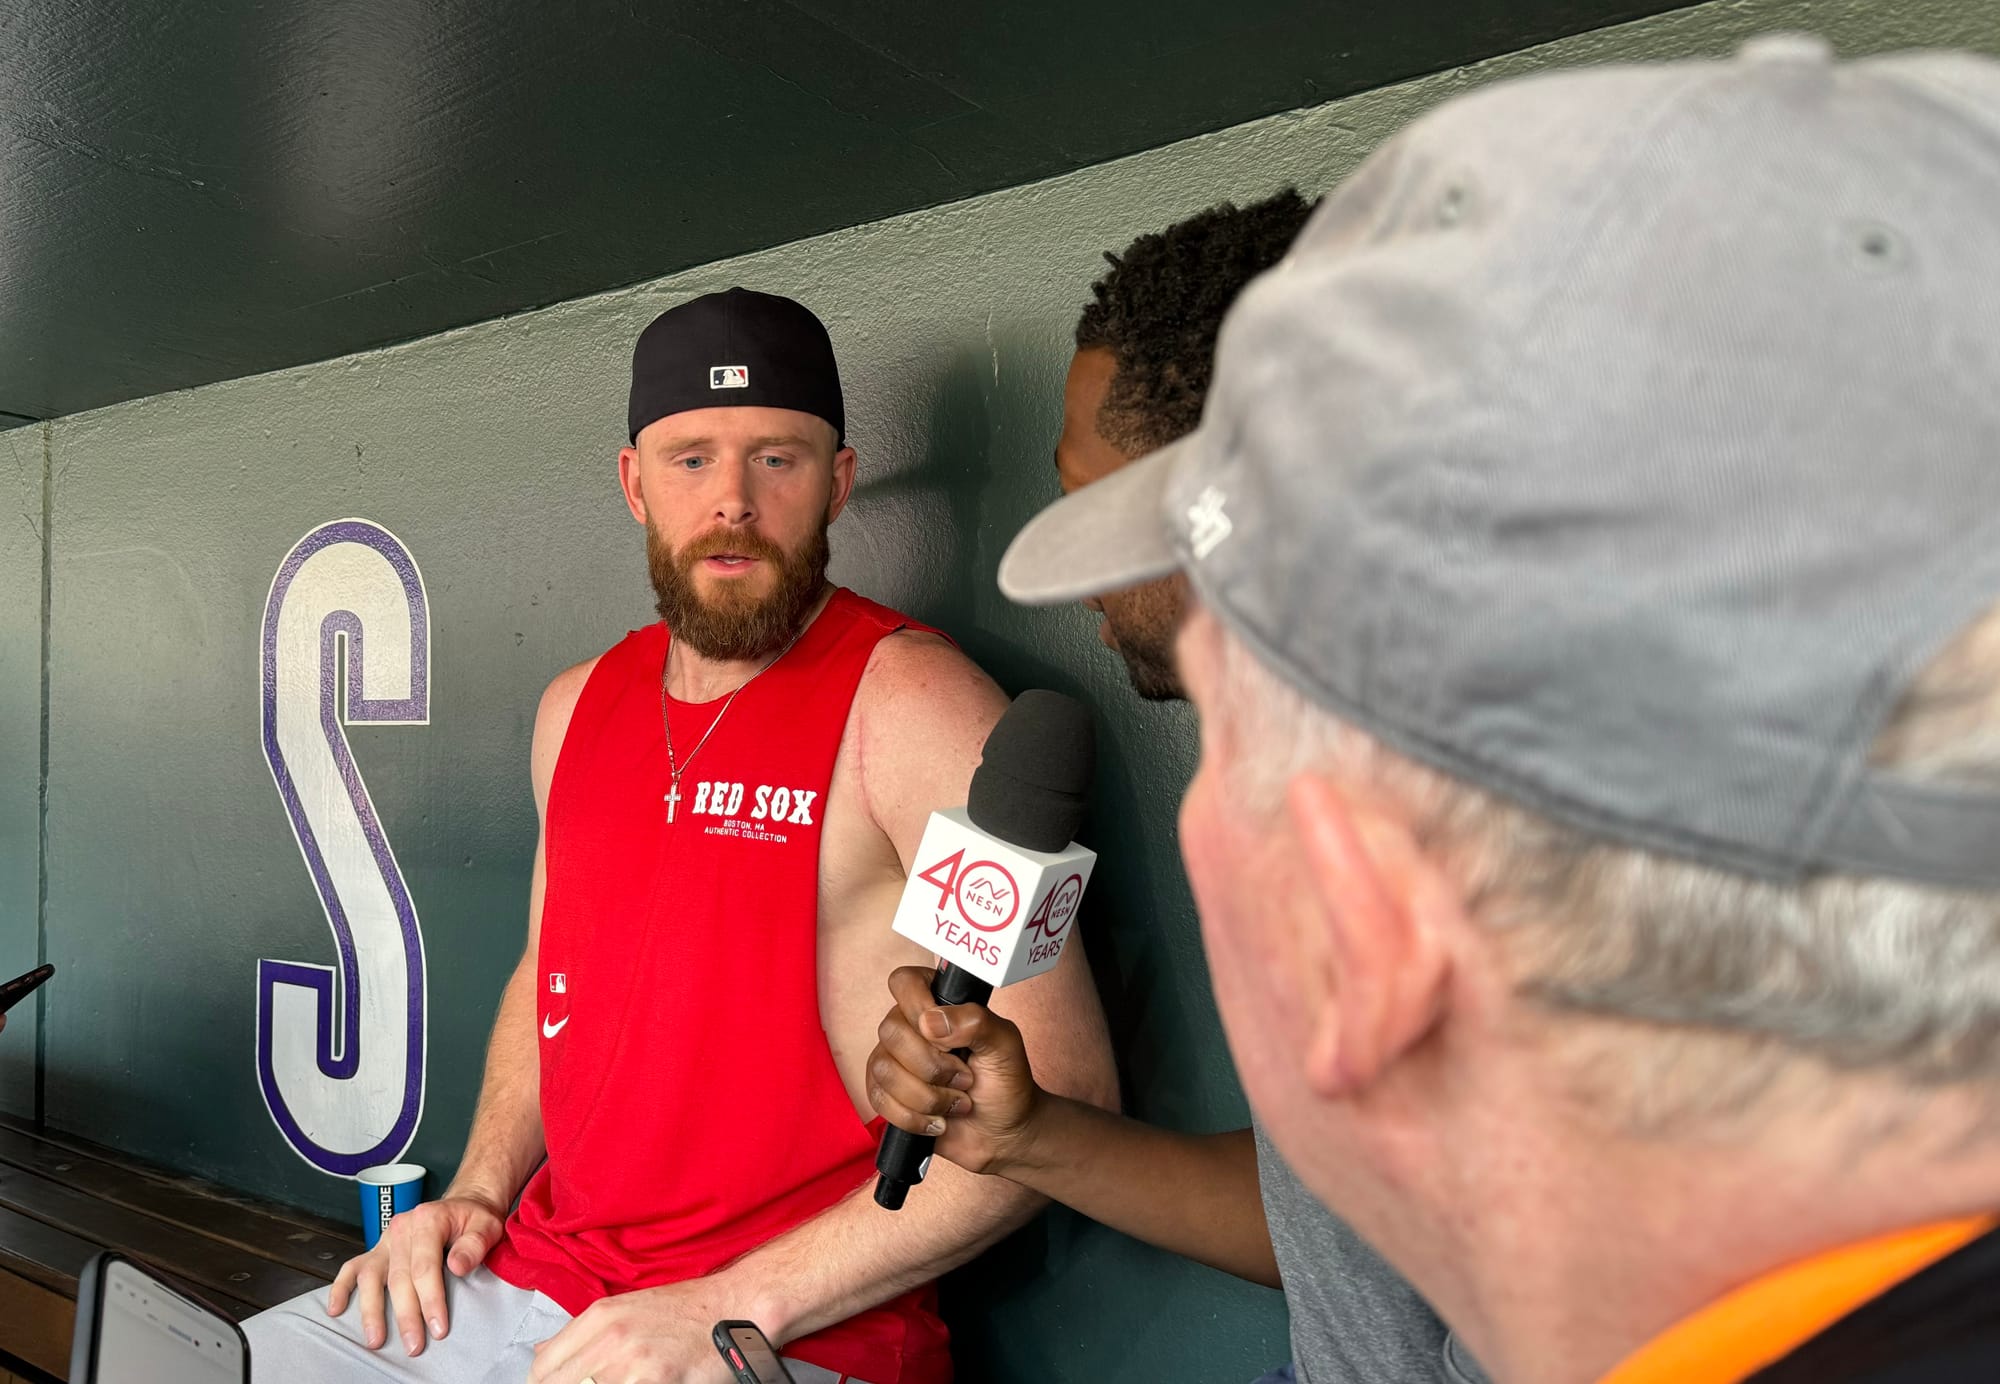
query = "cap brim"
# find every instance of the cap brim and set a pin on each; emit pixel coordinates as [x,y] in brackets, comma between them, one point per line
[1108,536]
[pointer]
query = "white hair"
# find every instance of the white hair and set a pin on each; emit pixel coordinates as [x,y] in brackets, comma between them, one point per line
[1854,973]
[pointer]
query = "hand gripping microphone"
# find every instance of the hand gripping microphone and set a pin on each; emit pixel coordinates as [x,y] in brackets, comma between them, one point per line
[995,884]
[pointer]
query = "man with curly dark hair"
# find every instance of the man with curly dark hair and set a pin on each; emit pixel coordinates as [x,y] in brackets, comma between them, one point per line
[1138,382]
[1159,308]
[1143,349]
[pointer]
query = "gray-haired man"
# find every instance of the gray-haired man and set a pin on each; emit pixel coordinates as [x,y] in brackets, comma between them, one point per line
[1595,533]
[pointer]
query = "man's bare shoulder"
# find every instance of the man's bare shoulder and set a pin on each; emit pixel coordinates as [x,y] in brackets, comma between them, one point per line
[559,697]
[910,669]
[552,723]
[920,716]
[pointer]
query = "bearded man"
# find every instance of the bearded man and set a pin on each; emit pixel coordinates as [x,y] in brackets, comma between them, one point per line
[729,803]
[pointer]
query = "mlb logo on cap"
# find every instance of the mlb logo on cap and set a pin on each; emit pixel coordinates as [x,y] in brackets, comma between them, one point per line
[778,354]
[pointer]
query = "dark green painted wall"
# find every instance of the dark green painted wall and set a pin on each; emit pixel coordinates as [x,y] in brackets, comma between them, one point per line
[330,178]
[23,457]
[170,869]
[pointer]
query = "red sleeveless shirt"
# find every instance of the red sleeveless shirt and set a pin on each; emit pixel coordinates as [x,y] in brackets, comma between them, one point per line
[679,994]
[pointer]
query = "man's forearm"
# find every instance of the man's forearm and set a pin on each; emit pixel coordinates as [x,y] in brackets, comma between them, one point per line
[855,1255]
[1194,1194]
[505,1145]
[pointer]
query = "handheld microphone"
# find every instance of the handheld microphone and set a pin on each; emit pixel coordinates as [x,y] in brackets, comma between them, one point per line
[995,884]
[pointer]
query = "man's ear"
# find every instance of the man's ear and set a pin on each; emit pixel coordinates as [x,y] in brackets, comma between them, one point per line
[843,483]
[628,481]
[1383,906]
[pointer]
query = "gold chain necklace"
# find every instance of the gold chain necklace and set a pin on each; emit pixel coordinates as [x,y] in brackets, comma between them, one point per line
[674,768]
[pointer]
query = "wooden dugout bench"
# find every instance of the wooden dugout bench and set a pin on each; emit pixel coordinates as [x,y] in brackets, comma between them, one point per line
[62,1200]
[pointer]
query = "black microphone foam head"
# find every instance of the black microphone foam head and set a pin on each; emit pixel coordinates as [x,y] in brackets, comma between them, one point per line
[1034,776]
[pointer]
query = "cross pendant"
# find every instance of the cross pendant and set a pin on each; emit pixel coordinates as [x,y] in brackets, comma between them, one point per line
[673,800]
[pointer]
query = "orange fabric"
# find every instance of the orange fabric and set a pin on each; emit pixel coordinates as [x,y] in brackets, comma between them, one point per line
[1765,1320]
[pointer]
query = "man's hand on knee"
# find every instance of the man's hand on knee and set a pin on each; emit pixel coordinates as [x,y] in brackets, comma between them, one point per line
[408,1266]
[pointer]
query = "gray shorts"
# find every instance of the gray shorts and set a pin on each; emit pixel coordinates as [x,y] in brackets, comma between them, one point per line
[495,1328]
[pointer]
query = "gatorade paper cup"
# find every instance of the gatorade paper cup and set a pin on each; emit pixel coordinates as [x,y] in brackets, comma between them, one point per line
[386,1189]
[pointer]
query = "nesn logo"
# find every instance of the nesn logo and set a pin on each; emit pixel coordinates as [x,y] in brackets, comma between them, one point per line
[728,377]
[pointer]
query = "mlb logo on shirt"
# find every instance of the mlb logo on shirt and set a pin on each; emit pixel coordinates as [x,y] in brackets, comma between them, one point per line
[728,377]
[558,982]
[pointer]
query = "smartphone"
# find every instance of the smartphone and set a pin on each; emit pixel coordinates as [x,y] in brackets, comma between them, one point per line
[131,1328]
[749,1353]
[22,986]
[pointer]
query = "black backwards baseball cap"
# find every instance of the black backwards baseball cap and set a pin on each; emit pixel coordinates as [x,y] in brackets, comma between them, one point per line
[735,349]
[1624,442]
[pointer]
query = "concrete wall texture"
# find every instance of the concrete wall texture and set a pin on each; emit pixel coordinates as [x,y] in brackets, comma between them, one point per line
[162,866]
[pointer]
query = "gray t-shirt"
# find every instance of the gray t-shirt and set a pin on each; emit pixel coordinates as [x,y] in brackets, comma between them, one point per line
[1354,1319]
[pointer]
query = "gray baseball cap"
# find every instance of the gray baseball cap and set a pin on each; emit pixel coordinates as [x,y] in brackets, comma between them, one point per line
[1623,441]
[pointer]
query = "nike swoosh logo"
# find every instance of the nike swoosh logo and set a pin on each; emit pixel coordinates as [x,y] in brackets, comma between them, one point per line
[550,1030]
